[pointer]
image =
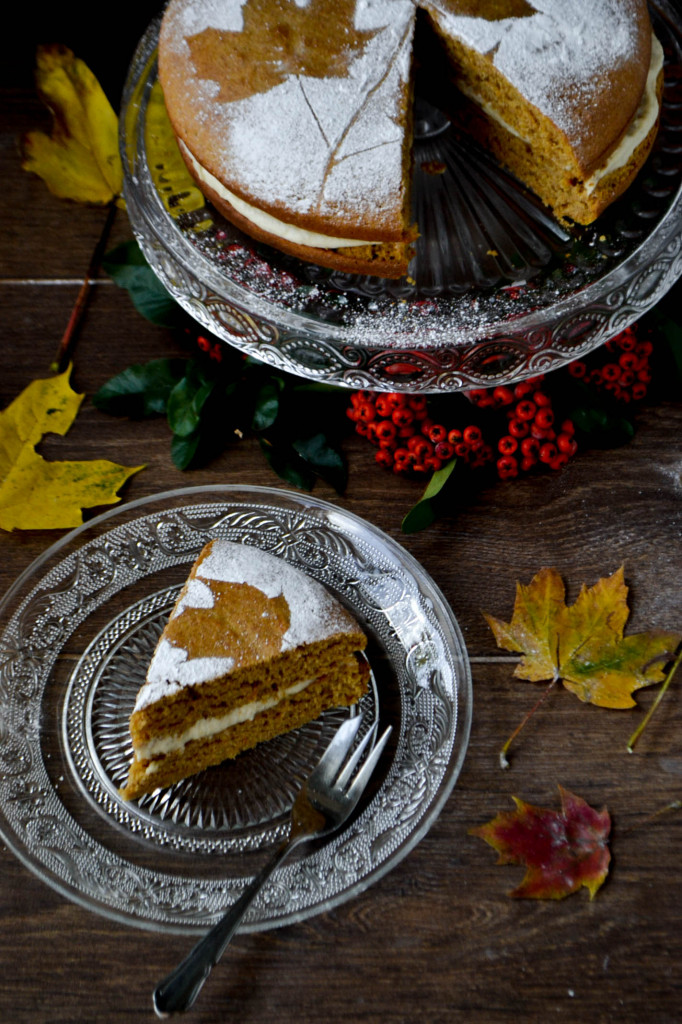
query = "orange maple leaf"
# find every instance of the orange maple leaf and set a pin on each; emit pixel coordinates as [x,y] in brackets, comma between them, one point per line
[562,850]
[296,43]
[583,644]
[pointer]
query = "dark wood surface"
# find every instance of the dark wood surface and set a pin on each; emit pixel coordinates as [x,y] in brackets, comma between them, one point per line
[437,939]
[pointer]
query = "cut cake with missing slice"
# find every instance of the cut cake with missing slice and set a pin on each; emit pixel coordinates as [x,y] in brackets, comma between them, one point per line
[253,648]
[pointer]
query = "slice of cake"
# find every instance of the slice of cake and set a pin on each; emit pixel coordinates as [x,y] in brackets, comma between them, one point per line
[253,648]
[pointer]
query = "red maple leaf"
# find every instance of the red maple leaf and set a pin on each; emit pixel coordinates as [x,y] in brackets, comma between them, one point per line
[562,850]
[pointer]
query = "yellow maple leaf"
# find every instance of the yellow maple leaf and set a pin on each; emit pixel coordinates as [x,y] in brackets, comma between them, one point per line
[39,495]
[583,644]
[80,159]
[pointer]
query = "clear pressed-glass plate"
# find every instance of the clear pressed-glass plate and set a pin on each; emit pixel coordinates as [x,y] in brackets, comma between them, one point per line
[76,633]
[497,291]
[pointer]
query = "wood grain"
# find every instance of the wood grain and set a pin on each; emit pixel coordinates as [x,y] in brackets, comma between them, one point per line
[437,939]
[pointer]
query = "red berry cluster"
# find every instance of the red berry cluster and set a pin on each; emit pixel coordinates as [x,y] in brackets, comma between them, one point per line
[213,349]
[406,437]
[624,369]
[409,440]
[532,438]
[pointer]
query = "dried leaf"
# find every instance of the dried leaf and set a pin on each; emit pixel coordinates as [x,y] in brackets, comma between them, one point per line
[583,644]
[562,850]
[80,159]
[36,494]
[295,45]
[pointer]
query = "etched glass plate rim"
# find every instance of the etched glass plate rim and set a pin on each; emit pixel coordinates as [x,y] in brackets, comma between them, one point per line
[209,903]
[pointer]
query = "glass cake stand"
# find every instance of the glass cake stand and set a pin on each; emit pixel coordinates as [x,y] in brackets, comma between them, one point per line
[497,291]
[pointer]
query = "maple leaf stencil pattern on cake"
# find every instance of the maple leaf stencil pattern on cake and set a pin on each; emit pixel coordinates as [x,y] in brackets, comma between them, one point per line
[297,45]
[345,110]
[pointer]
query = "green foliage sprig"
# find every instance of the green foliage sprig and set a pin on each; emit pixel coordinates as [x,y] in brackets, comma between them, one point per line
[210,403]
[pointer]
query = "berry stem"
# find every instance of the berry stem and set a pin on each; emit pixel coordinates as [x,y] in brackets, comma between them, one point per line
[504,763]
[659,697]
[674,805]
[68,341]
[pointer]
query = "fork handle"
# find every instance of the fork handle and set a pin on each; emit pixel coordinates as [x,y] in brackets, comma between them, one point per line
[178,991]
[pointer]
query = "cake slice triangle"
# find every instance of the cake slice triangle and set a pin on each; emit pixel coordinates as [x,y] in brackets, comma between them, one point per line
[253,648]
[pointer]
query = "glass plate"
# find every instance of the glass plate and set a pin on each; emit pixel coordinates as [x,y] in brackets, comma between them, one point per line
[497,291]
[76,633]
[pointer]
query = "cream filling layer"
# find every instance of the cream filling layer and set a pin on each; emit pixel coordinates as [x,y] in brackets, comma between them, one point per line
[265,221]
[637,131]
[207,727]
[641,124]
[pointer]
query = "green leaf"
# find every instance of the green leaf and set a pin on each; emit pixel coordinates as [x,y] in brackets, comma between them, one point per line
[319,387]
[604,428]
[122,260]
[184,449]
[324,459]
[129,269]
[671,332]
[140,390]
[187,399]
[267,404]
[423,514]
[288,465]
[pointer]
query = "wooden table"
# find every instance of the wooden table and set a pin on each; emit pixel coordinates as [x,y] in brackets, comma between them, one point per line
[437,939]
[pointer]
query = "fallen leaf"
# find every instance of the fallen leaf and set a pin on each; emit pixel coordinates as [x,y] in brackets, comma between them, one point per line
[80,159]
[295,46]
[36,494]
[583,644]
[562,850]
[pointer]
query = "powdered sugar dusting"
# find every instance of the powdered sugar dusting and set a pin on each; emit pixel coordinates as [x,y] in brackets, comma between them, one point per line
[170,670]
[346,128]
[196,595]
[314,614]
[332,147]
[225,15]
[554,57]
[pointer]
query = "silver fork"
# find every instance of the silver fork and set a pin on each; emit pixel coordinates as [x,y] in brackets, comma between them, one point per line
[324,802]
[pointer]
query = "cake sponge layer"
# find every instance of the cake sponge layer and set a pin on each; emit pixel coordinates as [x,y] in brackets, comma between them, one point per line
[341,687]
